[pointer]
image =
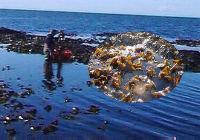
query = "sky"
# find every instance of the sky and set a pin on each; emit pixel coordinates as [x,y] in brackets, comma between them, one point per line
[177,8]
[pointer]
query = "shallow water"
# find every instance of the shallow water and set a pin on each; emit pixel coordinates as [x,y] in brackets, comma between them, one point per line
[176,115]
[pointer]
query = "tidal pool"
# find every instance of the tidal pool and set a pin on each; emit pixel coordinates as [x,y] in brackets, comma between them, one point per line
[81,111]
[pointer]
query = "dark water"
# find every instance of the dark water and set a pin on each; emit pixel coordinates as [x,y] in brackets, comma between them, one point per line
[176,115]
[81,23]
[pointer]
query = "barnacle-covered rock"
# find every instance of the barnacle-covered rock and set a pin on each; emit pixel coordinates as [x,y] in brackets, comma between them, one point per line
[136,67]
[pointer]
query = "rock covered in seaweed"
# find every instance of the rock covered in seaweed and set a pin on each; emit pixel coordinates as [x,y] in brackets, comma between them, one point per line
[136,67]
[82,48]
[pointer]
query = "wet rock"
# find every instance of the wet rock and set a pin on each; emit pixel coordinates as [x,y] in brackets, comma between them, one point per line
[17,106]
[35,128]
[67,100]
[32,112]
[89,83]
[93,109]
[10,31]
[26,117]
[75,110]
[68,117]
[187,42]
[48,108]
[191,60]
[26,92]
[50,128]
[3,99]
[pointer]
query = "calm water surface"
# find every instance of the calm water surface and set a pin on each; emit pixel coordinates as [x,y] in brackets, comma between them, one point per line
[174,115]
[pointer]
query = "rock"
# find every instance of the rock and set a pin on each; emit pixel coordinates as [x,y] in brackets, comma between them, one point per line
[67,116]
[67,100]
[93,109]
[187,42]
[3,99]
[9,31]
[35,128]
[49,129]
[75,110]
[26,92]
[26,43]
[32,112]
[191,60]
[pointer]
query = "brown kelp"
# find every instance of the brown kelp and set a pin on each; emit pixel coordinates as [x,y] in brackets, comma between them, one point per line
[136,67]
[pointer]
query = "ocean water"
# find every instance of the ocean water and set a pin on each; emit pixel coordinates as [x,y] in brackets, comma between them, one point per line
[176,115]
[83,23]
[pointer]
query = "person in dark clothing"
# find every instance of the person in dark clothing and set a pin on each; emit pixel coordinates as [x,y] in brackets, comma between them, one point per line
[49,45]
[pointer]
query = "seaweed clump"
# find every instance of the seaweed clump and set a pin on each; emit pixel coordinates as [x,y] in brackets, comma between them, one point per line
[136,67]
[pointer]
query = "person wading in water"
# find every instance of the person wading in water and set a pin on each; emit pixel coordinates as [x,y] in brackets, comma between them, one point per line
[49,45]
[49,48]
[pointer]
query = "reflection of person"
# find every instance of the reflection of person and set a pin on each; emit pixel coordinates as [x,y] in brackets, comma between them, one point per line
[48,76]
[59,76]
[49,45]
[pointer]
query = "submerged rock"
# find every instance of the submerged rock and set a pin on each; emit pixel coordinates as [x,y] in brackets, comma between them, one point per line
[94,109]
[49,129]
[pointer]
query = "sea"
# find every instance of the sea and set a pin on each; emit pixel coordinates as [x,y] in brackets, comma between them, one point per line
[175,116]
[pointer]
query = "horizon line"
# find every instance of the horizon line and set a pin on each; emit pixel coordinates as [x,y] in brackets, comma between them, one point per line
[45,10]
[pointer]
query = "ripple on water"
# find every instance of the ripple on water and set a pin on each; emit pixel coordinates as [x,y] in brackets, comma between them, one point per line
[177,114]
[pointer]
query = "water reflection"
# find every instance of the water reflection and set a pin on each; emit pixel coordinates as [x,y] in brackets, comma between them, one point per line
[49,82]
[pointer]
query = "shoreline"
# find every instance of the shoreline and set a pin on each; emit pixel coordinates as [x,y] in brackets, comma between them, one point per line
[82,48]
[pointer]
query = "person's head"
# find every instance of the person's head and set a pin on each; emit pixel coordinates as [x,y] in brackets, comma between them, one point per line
[61,32]
[53,32]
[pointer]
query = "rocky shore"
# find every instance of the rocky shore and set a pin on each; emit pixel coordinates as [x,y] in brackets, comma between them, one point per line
[22,42]
[82,48]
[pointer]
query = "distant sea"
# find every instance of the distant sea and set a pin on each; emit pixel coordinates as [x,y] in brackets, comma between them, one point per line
[87,24]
